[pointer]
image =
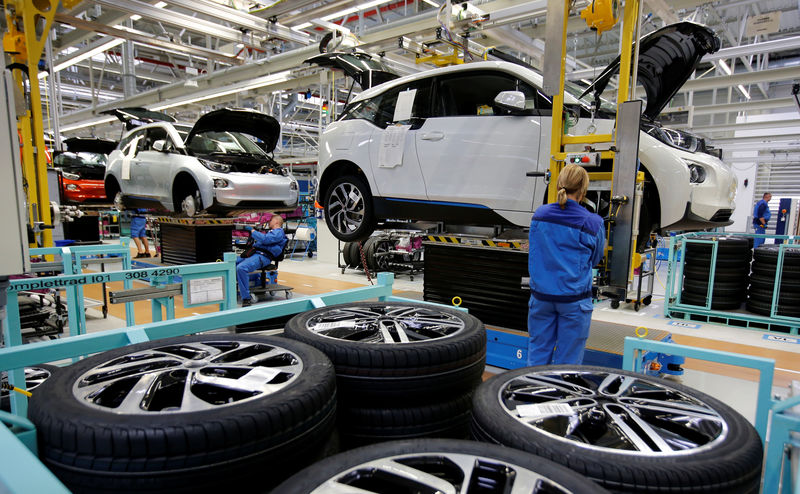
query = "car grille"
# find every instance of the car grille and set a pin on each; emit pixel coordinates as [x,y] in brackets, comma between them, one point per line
[722,215]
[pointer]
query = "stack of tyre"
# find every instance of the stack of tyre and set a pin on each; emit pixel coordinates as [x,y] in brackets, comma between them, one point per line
[404,370]
[730,277]
[762,281]
[376,249]
[351,255]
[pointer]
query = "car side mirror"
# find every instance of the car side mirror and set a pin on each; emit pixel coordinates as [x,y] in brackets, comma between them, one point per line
[512,102]
[160,145]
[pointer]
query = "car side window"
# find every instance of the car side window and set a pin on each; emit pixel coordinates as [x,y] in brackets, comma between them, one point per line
[133,139]
[380,109]
[153,134]
[473,93]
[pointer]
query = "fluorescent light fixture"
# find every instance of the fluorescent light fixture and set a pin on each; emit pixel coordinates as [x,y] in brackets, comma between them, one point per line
[88,54]
[724,67]
[92,123]
[744,91]
[429,2]
[352,10]
[216,93]
[136,17]
[160,5]
[302,26]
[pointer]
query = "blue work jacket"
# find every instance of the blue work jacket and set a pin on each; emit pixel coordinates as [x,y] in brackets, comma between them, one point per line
[761,210]
[565,244]
[270,243]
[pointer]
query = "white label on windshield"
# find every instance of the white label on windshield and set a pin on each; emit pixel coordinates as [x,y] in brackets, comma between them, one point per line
[544,410]
[405,102]
[324,326]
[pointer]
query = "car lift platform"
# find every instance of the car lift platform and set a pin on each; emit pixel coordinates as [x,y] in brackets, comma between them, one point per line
[508,349]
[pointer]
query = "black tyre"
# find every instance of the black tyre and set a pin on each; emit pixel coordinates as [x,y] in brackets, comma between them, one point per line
[702,260]
[787,299]
[369,252]
[768,254]
[359,426]
[347,256]
[349,211]
[763,308]
[186,414]
[717,303]
[626,431]
[734,290]
[355,254]
[388,350]
[761,282]
[721,275]
[437,465]
[377,254]
[769,270]
[727,246]
[34,377]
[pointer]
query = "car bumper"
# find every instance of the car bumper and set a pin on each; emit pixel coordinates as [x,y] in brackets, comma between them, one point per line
[83,190]
[711,203]
[246,190]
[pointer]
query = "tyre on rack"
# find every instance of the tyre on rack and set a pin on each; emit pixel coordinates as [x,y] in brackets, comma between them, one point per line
[437,465]
[626,431]
[376,254]
[186,414]
[34,377]
[768,254]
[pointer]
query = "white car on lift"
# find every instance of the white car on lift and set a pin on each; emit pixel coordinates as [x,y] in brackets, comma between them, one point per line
[462,155]
[221,164]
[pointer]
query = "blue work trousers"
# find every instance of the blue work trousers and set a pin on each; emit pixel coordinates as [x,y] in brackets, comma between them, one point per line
[558,331]
[759,240]
[246,266]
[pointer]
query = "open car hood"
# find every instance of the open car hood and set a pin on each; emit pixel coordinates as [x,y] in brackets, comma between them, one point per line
[249,122]
[667,58]
[134,117]
[89,145]
[363,67]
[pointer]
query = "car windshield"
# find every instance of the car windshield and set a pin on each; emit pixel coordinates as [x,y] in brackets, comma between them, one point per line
[76,160]
[232,143]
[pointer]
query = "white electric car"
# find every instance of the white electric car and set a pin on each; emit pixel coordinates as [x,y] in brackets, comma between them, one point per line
[221,164]
[462,155]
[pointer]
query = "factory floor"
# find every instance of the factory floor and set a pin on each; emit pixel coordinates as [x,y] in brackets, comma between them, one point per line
[735,386]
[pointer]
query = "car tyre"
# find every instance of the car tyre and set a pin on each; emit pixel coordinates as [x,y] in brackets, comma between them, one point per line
[97,433]
[713,449]
[349,211]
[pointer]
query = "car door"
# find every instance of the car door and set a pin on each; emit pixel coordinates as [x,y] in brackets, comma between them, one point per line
[153,167]
[396,168]
[128,172]
[470,156]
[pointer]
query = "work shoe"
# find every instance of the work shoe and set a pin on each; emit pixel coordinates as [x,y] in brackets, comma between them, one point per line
[247,302]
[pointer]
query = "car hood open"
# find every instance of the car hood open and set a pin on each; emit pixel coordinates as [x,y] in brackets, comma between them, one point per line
[667,58]
[245,121]
[89,145]
[362,67]
[134,117]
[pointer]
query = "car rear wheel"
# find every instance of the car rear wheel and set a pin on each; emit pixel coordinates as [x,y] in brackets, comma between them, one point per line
[349,211]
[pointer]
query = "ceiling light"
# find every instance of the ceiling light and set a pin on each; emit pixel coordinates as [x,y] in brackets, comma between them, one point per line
[355,9]
[429,2]
[724,67]
[260,82]
[302,26]
[136,17]
[160,5]
[88,54]
[88,124]
[744,91]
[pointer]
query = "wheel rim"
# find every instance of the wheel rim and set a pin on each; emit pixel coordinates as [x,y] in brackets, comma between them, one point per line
[34,376]
[346,208]
[440,472]
[118,201]
[382,247]
[187,377]
[189,206]
[385,324]
[613,412]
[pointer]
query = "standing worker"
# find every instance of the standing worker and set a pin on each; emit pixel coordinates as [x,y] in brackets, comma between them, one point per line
[566,242]
[267,247]
[761,216]
[139,233]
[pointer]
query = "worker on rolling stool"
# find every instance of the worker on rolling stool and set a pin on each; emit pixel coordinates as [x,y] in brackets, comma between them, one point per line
[267,246]
[139,233]
[761,216]
[566,242]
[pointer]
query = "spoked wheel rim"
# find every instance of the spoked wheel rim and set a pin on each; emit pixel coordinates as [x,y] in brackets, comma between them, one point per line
[346,208]
[187,377]
[613,413]
[118,204]
[440,472]
[382,247]
[189,205]
[34,376]
[385,324]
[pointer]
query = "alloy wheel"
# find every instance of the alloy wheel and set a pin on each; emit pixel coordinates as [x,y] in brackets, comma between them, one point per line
[346,208]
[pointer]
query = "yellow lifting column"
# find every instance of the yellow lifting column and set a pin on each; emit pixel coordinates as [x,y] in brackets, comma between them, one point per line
[28,25]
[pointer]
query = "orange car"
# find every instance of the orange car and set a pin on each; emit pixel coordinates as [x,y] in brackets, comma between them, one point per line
[82,167]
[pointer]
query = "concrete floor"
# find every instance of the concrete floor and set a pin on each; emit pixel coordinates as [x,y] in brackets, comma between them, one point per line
[735,386]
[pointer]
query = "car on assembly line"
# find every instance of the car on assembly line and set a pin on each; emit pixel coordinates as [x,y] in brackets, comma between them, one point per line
[462,155]
[82,168]
[222,164]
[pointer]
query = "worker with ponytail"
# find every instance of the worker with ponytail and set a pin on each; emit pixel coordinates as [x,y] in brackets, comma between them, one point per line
[566,242]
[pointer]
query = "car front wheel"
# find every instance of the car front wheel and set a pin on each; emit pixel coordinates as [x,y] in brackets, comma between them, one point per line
[349,211]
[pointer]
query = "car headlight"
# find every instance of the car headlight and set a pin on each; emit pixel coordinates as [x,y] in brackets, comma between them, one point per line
[697,174]
[675,138]
[70,176]
[293,185]
[71,187]
[214,166]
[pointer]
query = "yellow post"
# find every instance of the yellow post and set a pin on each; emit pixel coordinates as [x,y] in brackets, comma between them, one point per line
[628,28]
[558,112]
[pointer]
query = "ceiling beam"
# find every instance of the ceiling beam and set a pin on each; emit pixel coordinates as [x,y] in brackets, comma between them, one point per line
[741,106]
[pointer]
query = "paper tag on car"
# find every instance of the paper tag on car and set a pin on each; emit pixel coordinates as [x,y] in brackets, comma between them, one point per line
[393,143]
[544,410]
[324,326]
[259,376]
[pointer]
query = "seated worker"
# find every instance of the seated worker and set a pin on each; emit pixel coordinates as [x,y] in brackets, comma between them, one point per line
[268,246]
[139,233]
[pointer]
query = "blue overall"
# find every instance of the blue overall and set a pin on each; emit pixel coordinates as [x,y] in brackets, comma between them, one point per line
[564,247]
[268,246]
[761,210]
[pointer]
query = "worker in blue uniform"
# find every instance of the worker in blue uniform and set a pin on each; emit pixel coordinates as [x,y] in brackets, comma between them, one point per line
[566,242]
[268,246]
[761,216]
[139,233]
